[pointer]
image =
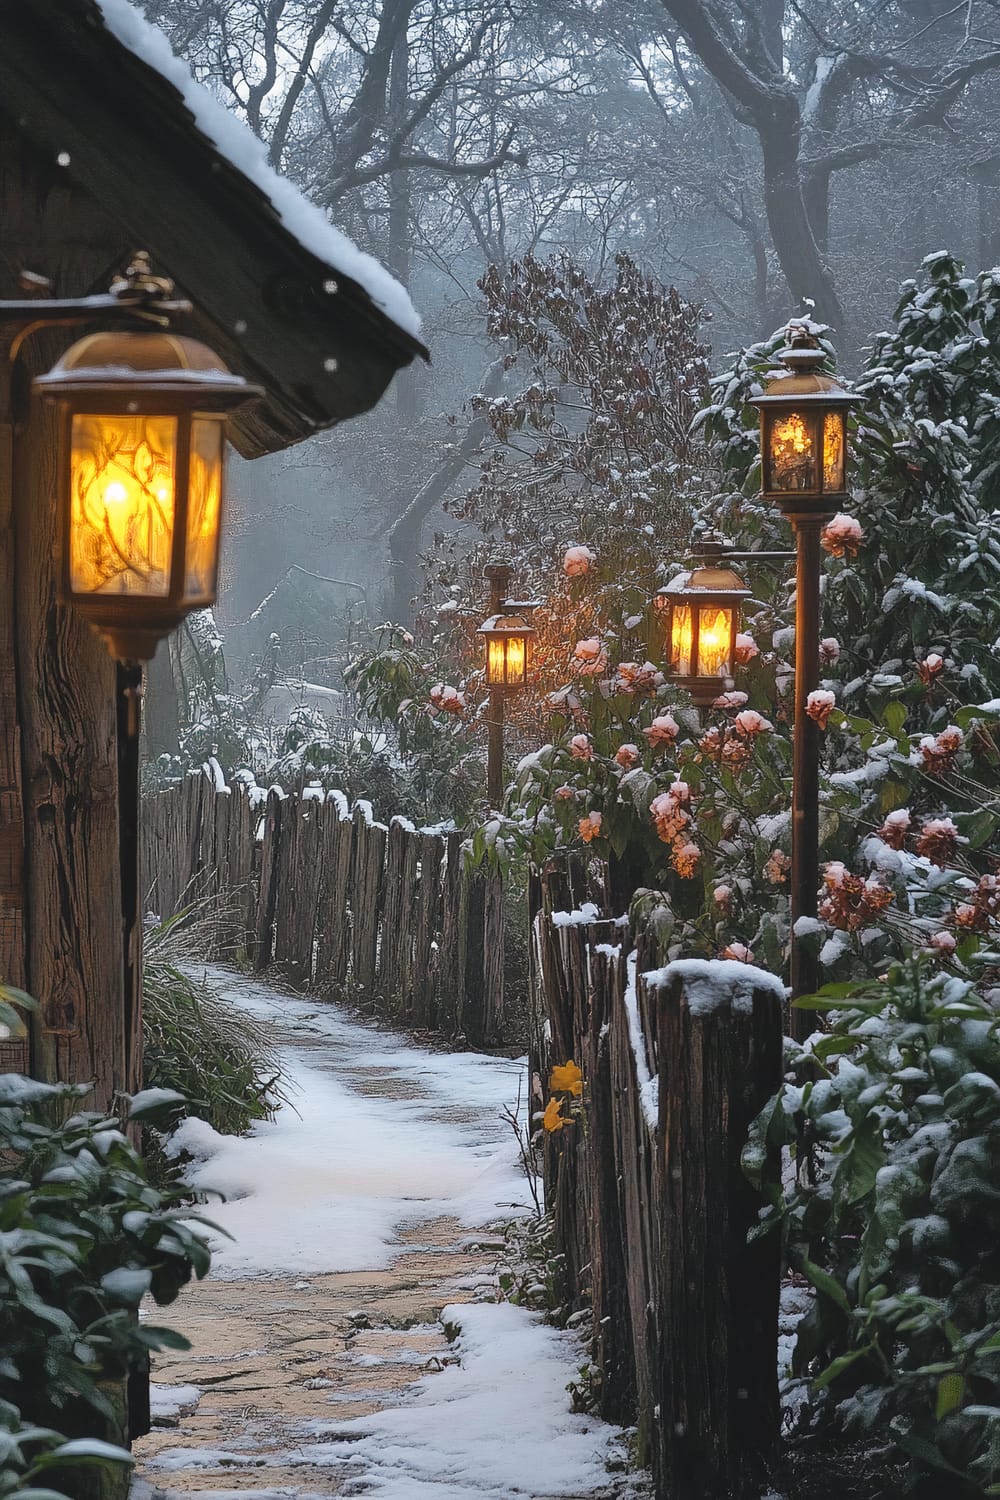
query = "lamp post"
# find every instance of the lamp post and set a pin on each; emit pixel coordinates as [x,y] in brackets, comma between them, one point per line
[702,610]
[803,430]
[507,638]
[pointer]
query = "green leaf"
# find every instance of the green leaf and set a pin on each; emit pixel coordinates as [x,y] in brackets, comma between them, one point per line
[951,1389]
[838,1366]
[894,717]
[826,1284]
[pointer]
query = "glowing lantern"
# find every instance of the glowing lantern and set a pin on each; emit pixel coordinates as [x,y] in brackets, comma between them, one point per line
[141,481]
[803,431]
[701,610]
[508,650]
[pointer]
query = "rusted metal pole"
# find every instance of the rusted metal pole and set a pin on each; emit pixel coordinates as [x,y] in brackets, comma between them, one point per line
[805,762]
[494,749]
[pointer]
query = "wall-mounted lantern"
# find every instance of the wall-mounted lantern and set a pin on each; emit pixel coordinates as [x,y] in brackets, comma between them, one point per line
[141,467]
[701,613]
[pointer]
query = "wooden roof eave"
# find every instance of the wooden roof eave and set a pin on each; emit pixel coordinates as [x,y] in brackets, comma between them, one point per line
[133,144]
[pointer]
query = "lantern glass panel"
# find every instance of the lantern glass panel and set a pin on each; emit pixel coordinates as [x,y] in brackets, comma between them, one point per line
[714,637]
[204,507]
[834,434]
[123,472]
[495,660]
[792,453]
[681,633]
[516,658]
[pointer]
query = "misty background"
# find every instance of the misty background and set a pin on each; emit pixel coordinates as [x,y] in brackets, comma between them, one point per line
[752,153]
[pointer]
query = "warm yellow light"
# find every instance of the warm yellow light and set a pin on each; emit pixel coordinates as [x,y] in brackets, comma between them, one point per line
[714,636]
[515,658]
[495,660]
[833,451]
[681,633]
[793,460]
[204,507]
[123,472]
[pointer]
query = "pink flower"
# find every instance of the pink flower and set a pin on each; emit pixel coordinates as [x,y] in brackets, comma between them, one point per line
[751,723]
[895,828]
[448,698]
[730,701]
[685,859]
[631,678]
[739,951]
[669,817]
[842,537]
[680,791]
[746,648]
[820,705]
[589,657]
[723,897]
[580,747]
[577,561]
[564,793]
[932,666]
[829,650]
[589,827]
[663,730]
[942,942]
[406,637]
[627,756]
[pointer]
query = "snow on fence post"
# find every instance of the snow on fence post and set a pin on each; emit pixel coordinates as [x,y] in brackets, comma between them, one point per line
[452,959]
[719,1041]
[333,922]
[367,895]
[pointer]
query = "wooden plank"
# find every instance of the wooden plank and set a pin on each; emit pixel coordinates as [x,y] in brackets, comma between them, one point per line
[14,1055]
[452,953]
[367,885]
[427,918]
[333,939]
[240,894]
[270,858]
[719,1294]
[284,952]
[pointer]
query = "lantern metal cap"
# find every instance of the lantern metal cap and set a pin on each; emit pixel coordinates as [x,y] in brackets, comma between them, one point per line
[160,363]
[708,580]
[506,624]
[802,376]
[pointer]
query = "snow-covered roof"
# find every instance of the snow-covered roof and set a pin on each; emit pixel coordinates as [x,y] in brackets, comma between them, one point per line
[235,141]
[103,105]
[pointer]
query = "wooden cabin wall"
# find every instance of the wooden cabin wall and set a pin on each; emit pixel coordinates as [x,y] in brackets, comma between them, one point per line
[65,932]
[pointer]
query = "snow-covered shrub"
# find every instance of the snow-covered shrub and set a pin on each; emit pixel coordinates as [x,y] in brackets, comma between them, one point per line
[217,1059]
[895,1218]
[83,1238]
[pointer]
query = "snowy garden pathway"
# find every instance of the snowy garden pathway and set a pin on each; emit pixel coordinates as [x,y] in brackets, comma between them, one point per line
[319,1363]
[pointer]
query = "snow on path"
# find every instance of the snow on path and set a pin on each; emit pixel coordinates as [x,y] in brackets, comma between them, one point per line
[326,1185]
[330,1185]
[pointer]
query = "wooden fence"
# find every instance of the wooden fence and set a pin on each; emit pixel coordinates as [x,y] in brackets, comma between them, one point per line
[650,1205]
[332,899]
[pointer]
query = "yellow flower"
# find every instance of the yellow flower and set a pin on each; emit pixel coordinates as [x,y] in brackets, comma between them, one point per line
[552,1119]
[566,1079]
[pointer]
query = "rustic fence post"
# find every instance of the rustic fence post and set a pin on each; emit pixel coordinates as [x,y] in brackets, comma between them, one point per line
[719,1039]
[333,946]
[453,955]
[368,875]
[269,865]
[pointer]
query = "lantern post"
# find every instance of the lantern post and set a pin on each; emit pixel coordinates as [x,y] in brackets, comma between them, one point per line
[803,429]
[507,638]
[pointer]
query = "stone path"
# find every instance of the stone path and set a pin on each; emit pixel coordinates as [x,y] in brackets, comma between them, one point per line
[272,1355]
[269,1356]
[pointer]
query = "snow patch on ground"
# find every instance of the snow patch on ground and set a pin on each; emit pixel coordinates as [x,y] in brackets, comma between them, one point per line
[453,1437]
[166,1401]
[327,1185]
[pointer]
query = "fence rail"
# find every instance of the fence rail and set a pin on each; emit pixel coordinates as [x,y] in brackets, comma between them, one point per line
[651,1209]
[332,899]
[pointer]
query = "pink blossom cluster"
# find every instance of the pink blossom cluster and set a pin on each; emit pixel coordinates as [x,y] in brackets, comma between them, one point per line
[637,680]
[842,537]
[577,561]
[663,730]
[937,753]
[590,657]
[820,705]
[449,699]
